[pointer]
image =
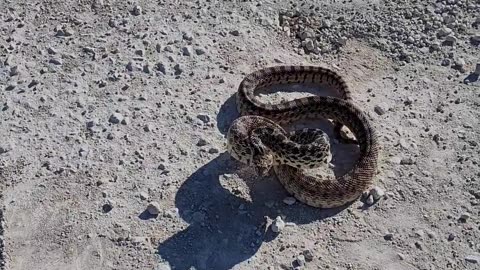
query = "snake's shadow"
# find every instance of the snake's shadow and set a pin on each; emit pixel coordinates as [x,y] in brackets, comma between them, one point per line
[226,229]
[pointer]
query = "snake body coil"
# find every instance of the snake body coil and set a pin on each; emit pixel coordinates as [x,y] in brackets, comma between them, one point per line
[323,193]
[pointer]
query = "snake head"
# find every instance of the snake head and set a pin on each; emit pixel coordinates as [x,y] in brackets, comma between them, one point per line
[262,157]
[263,164]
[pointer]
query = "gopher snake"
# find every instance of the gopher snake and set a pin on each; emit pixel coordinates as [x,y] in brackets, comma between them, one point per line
[250,145]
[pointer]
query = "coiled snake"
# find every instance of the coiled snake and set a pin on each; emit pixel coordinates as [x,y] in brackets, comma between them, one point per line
[257,139]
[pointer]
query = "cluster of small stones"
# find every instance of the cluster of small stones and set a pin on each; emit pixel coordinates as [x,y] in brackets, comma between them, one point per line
[407,31]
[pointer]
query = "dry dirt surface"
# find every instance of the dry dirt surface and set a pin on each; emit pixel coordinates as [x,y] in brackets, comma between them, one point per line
[113,117]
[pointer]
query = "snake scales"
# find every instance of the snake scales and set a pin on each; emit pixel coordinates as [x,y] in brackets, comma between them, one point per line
[256,138]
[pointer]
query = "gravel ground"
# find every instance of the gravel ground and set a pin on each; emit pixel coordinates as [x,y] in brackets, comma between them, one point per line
[114,115]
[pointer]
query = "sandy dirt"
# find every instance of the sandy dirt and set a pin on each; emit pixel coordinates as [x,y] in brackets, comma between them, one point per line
[107,107]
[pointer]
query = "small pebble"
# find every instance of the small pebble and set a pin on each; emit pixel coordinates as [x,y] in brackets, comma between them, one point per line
[431,235]
[300,260]
[153,208]
[186,51]
[178,69]
[125,121]
[420,233]
[92,123]
[278,225]
[308,255]
[451,237]
[116,118]
[108,206]
[464,217]
[146,68]
[129,66]
[14,71]
[370,200]
[202,142]
[377,193]
[56,61]
[187,36]
[10,87]
[388,236]
[380,109]
[446,62]
[102,83]
[289,200]
[407,161]
[137,10]
[199,51]
[460,64]
[143,195]
[51,50]
[213,150]
[148,127]
[5,148]
[475,39]
[204,118]
[308,44]
[474,258]
[161,67]
[444,31]
[451,39]
[88,49]
[33,83]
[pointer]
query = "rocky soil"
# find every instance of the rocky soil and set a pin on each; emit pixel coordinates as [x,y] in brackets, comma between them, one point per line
[113,117]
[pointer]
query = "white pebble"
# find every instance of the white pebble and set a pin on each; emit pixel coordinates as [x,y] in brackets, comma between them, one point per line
[143,195]
[377,193]
[370,200]
[460,62]
[278,225]
[309,45]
